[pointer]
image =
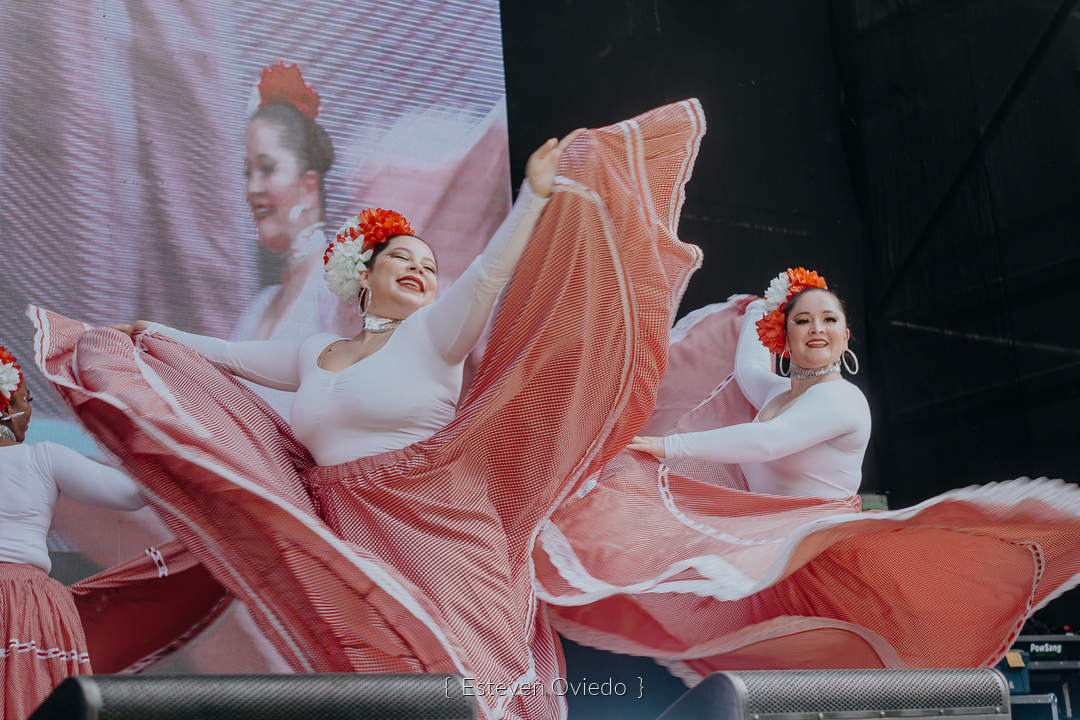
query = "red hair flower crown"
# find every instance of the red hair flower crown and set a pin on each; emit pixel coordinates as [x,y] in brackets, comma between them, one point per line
[770,329]
[284,84]
[354,245]
[10,377]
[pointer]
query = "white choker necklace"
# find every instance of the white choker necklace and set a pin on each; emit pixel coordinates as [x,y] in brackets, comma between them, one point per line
[307,241]
[376,324]
[801,373]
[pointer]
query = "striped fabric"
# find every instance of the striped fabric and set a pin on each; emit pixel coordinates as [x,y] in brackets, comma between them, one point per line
[420,559]
[42,642]
[680,563]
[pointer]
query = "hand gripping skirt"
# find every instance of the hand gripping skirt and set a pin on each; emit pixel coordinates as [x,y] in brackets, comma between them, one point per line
[43,641]
[680,562]
[420,560]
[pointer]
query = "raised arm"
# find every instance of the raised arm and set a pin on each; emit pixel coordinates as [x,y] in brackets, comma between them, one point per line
[456,320]
[90,482]
[753,362]
[273,363]
[823,414]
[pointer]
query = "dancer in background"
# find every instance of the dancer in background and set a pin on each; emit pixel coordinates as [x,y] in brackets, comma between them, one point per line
[396,553]
[767,562]
[42,636]
[812,426]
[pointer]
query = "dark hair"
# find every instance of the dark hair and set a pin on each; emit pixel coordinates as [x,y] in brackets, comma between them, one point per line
[796,296]
[304,137]
[382,246]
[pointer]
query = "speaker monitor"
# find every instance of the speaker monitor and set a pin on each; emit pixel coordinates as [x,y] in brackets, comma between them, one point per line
[266,697]
[958,694]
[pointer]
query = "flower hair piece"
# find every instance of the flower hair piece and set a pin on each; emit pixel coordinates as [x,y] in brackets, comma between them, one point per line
[348,254]
[770,329]
[10,377]
[284,84]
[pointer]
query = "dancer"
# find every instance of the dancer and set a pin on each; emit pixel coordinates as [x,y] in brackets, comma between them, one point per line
[43,640]
[766,562]
[417,558]
[814,421]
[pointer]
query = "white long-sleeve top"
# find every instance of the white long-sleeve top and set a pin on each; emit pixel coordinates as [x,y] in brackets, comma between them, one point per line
[813,448]
[31,479]
[402,393]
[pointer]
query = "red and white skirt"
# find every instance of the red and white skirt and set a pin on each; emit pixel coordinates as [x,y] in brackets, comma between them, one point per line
[678,561]
[43,641]
[419,560]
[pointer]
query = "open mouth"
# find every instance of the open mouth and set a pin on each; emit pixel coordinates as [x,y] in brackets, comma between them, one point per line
[817,344]
[261,212]
[412,283]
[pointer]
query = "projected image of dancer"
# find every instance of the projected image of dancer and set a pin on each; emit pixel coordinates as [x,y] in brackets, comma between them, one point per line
[390,528]
[43,640]
[766,561]
[287,156]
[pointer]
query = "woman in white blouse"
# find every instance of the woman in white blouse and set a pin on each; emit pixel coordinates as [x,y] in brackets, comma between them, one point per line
[42,636]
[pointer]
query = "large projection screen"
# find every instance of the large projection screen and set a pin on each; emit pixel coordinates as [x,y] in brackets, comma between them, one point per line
[121,171]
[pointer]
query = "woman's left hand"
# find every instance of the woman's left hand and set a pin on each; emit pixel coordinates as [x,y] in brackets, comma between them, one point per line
[545,161]
[651,445]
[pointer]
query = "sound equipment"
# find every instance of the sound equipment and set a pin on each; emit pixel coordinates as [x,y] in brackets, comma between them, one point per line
[967,694]
[266,697]
[1054,667]
[1051,652]
[1035,707]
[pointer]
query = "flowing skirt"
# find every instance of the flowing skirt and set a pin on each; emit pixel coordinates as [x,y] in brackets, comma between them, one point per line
[420,560]
[678,561]
[43,641]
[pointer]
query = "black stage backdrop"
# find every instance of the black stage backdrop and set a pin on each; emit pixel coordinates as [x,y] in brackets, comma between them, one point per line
[924,155]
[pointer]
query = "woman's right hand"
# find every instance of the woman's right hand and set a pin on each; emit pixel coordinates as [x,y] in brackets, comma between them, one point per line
[648,444]
[130,330]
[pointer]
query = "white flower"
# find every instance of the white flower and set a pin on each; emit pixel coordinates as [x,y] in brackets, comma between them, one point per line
[343,268]
[254,100]
[9,380]
[352,222]
[777,292]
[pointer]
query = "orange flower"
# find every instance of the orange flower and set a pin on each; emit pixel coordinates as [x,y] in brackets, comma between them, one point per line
[284,84]
[770,331]
[801,278]
[378,226]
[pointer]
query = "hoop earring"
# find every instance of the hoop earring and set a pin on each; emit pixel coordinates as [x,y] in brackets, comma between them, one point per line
[780,363]
[363,300]
[854,359]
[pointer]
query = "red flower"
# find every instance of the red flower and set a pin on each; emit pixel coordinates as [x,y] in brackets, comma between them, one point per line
[5,359]
[770,331]
[378,226]
[801,278]
[374,225]
[284,84]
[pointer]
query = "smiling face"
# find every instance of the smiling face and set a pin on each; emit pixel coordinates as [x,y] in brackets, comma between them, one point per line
[817,331]
[20,403]
[276,184]
[403,278]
